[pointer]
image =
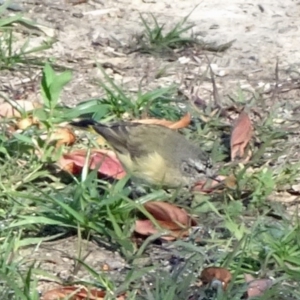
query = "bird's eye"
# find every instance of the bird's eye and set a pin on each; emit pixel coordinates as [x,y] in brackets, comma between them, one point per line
[185,167]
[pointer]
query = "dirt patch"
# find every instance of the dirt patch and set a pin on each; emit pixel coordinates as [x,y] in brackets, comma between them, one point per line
[262,33]
[62,259]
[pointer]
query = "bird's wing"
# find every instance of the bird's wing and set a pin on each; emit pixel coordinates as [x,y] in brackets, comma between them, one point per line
[117,135]
[132,138]
[128,138]
[146,140]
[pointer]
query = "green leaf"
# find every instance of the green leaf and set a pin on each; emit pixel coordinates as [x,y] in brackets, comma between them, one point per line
[53,84]
[9,20]
[4,151]
[48,74]
[41,114]
[57,86]
[47,78]
[23,138]
[101,112]
[88,108]
[27,220]
[4,6]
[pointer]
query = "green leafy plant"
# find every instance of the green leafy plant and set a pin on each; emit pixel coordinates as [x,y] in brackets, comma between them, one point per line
[155,40]
[15,284]
[10,57]
[52,86]
[117,102]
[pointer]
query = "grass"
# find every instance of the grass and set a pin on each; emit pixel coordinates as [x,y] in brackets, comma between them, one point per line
[118,103]
[16,58]
[242,228]
[156,39]
[242,236]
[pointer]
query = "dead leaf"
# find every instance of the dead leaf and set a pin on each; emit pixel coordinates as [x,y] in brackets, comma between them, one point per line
[63,136]
[76,293]
[105,267]
[248,277]
[170,217]
[240,136]
[27,122]
[105,160]
[257,287]
[165,211]
[230,181]
[10,110]
[208,275]
[182,123]
[175,231]
[210,186]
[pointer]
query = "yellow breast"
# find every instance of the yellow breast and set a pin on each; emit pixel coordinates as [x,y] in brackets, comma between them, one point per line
[151,168]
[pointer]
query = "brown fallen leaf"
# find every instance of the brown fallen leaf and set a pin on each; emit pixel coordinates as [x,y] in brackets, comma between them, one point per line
[63,136]
[76,293]
[165,211]
[105,267]
[257,287]
[240,136]
[170,217]
[182,123]
[105,160]
[27,122]
[210,186]
[9,110]
[175,231]
[208,275]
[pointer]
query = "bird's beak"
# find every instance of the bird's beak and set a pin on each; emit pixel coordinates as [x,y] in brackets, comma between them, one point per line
[215,178]
[211,174]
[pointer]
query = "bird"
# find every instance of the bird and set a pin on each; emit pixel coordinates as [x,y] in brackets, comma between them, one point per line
[155,154]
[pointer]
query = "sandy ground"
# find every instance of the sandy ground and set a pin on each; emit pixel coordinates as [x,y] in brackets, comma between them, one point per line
[263,31]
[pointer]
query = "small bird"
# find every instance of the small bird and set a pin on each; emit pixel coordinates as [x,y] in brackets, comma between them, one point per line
[154,153]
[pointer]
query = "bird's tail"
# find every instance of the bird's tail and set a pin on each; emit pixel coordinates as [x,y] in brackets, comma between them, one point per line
[88,124]
[84,123]
[116,134]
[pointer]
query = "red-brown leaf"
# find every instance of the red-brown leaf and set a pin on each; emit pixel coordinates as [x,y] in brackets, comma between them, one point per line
[209,186]
[240,136]
[165,211]
[169,217]
[105,160]
[146,227]
[257,287]
[216,273]
[76,293]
